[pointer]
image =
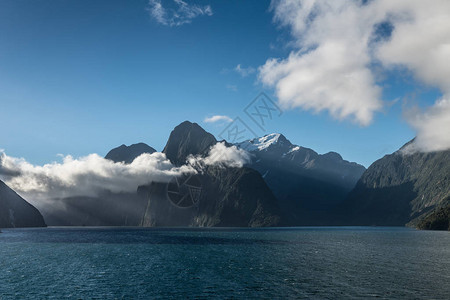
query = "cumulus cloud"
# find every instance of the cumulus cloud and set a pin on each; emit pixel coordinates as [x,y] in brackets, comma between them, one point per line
[330,69]
[338,42]
[244,72]
[221,155]
[85,176]
[218,118]
[421,44]
[181,13]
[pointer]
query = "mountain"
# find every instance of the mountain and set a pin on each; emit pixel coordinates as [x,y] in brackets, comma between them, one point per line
[308,185]
[127,154]
[187,138]
[217,196]
[16,212]
[402,188]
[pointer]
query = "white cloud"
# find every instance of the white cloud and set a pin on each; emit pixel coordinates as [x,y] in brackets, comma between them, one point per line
[421,44]
[218,118]
[85,176]
[433,128]
[244,72]
[92,175]
[330,70]
[183,13]
[221,155]
[337,44]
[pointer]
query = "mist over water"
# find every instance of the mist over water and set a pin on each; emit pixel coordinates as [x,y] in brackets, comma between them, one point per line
[317,263]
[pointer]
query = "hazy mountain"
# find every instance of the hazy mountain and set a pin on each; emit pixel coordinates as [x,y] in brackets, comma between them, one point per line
[16,212]
[220,196]
[127,154]
[308,185]
[402,188]
[108,209]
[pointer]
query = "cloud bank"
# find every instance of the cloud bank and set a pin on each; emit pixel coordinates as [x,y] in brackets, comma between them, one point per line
[85,176]
[92,175]
[338,43]
[181,14]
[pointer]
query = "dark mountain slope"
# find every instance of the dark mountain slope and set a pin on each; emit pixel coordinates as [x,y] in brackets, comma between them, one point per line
[187,138]
[228,199]
[400,188]
[16,212]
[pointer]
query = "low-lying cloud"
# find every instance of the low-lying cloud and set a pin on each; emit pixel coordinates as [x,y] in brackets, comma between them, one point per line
[92,175]
[85,176]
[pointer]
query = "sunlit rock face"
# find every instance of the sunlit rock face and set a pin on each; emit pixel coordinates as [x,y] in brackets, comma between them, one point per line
[16,212]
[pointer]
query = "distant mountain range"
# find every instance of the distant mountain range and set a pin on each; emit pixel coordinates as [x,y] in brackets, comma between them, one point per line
[282,185]
[308,185]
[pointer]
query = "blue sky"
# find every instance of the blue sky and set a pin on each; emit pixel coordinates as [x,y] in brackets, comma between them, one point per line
[83,77]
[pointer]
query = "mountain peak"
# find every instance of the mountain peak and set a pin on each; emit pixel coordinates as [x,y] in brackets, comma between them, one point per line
[264,142]
[127,154]
[185,139]
[332,156]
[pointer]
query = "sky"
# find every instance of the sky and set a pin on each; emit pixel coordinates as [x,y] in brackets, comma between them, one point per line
[361,78]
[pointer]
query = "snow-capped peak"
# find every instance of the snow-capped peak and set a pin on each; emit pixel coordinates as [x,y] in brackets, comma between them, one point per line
[262,143]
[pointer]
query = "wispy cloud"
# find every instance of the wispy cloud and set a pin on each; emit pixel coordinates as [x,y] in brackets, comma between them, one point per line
[232,87]
[244,72]
[338,42]
[181,12]
[218,118]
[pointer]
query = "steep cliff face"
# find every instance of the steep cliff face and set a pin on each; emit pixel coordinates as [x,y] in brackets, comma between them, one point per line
[16,212]
[401,188]
[225,198]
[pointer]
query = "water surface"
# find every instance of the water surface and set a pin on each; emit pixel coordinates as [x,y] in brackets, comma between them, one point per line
[310,263]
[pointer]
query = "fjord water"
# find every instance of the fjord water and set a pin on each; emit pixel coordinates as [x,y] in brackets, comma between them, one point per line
[313,263]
